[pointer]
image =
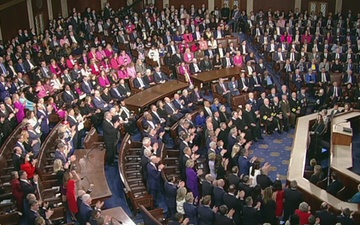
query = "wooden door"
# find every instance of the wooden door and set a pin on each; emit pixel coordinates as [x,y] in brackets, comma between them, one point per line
[318,7]
[231,3]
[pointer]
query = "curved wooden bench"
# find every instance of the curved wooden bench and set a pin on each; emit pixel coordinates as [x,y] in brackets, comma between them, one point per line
[129,158]
[45,167]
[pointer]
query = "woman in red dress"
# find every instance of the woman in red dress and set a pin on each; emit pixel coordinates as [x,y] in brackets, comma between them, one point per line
[29,166]
[17,193]
[70,179]
[278,196]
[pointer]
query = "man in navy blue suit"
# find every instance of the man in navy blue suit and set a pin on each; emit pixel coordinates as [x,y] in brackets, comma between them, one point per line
[86,209]
[244,162]
[86,86]
[206,214]
[170,188]
[154,177]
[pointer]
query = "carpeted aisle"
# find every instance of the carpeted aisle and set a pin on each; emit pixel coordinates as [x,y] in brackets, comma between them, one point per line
[276,150]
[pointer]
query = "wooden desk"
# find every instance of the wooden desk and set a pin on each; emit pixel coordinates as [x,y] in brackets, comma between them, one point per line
[145,98]
[313,194]
[206,77]
[339,137]
[90,167]
[119,214]
[341,159]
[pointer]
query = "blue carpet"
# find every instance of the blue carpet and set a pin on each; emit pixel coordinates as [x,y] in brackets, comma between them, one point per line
[116,186]
[276,150]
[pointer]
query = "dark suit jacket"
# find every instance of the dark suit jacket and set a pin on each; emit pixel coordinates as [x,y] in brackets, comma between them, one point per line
[170,194]
[31,216]
[137,83]
[221,220]
[154,177]
[158,77]
[191,212]
[110,132]
[326,217]
[250,216]
[84,213]
[264,181]
[68,98]
[334,187]
[123,89]
[224,63]
[233,179]
[345,220]
[292,200]
[17,161]
[28,188]
[206,215]
[233,203]
[218,196]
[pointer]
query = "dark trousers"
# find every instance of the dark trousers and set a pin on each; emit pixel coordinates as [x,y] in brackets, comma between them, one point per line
[110,152]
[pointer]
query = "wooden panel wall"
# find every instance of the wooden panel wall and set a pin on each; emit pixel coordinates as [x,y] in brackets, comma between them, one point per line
[159,4]
[274,5]
[331,4]
[116,4]
[243,4]
[352,5]
[18,16]
[41,9]
[56,7]
[81,5]
[188,3]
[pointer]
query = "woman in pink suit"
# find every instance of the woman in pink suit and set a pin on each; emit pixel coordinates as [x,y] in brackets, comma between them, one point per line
[40,90]
[130,69]
[188,56]
[103,80]
[60,112]
[122,73]
[92,54]
[124,59]
[105,65]
[100,54]
[108,51]
[54,68]
[238,59]
[286,38]
[306,37]
[70,62]
[94,67]
[20,108]
[114,62]
[188,37]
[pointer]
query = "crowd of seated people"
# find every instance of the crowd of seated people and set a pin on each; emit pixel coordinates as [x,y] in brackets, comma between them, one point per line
[83,67]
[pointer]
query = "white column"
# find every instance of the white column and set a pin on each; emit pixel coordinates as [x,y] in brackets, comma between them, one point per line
[64,9]
[30,14]
[298,5]
[338,6]
[211,5]
[50,10]
[249,6]
[167,2]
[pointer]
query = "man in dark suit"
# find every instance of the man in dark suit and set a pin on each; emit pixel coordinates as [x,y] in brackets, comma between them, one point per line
[206,214]
[180,105]
[34,138]
[140,83]
[227,61]
[115,93]
[69,96]
[224,216]
[292,199]
[346,217]
[124,88]
[205,64]
[111,137]
[244,162]
[251,214]
[324,215]
[86,86]
[223,90]
[252,123]
[206,186]
[234,178]
[85,209]
[159,76]
[335,185]
[99,103]
[194,67]
[219,193]
[33,213]
[17,158]
[154,177]
[233,201]
[170,189]
[171,110]
[27,186]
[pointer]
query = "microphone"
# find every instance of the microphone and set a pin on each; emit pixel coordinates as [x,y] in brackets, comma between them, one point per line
[343,121]
[116,220]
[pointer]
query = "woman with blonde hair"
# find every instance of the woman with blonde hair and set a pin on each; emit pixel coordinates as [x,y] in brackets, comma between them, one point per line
[235,154]
[180,199]
[212,158]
